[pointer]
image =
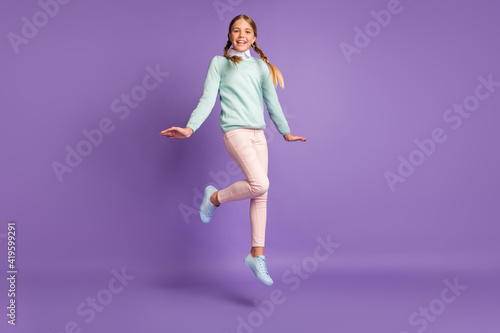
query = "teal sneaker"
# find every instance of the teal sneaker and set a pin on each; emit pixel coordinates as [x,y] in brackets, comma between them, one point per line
[258,267]
[207,208]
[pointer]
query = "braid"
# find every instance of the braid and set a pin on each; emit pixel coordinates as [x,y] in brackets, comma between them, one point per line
[234,59]
[275,73]
[260,53]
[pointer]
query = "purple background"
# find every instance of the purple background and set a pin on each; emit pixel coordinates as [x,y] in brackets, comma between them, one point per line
[122,205]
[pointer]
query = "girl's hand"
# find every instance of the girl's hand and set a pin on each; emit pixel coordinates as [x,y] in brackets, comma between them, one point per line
[177,132]
[291,137]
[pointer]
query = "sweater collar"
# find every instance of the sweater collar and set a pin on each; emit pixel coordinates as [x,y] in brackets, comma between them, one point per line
[233,52]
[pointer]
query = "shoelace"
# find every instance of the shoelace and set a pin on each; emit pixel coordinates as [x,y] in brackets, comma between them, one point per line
[262,263]
[211,209]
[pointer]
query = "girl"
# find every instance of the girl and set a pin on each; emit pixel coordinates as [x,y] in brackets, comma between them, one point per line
[242,81]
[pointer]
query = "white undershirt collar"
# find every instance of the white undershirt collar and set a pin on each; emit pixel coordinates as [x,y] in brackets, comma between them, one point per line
[244,55]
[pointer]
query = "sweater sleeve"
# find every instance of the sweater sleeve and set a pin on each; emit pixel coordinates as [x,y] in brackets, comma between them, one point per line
[208,97]
[273,104]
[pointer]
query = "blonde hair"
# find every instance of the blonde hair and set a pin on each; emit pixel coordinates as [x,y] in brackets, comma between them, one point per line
[275,73]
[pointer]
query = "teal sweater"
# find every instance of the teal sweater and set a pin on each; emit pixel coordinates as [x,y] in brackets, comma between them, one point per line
[241,91]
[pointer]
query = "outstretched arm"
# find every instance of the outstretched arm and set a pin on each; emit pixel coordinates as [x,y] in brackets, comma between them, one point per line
[275,110]
[205,105]
[208,97]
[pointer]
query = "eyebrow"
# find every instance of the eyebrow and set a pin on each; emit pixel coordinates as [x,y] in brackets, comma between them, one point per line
[239,28]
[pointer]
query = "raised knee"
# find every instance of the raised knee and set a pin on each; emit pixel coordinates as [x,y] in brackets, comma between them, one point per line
[265,185]
[261,187]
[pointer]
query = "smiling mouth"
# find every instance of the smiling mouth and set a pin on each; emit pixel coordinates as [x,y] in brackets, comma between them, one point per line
[241,42]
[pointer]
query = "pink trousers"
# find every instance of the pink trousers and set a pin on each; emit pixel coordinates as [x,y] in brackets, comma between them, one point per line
[248,148]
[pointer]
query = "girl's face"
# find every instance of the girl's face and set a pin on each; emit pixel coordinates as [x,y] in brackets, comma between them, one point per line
[241,31]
